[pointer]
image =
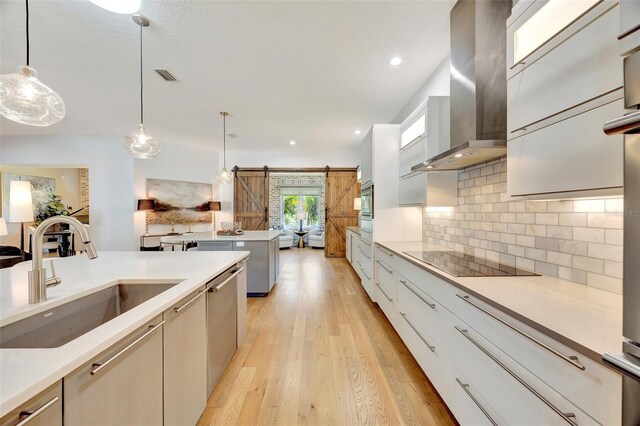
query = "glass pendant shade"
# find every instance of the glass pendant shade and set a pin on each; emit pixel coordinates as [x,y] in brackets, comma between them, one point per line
[141,145]
[26,100]
[224,176]
[118,6]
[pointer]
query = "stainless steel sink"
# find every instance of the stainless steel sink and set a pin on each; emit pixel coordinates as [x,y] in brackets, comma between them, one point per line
[60,325]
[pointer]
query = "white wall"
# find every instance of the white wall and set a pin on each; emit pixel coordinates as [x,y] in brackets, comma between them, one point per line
[437,84]
[110,178]
[177,161]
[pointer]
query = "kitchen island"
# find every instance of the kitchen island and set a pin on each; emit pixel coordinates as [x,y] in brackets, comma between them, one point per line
[130,363]
[263,267]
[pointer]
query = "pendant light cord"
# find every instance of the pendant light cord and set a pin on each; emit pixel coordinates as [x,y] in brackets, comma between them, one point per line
[224,140]
[141,82]
[27,10]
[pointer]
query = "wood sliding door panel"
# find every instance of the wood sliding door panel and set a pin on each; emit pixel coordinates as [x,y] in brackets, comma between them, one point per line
[251,199]
[341,188]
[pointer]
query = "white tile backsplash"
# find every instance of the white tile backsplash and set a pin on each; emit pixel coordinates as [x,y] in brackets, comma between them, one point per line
[576,240]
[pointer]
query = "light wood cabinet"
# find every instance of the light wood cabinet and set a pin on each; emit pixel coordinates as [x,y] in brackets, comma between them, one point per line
[44,409]
[122,385]
[185,360]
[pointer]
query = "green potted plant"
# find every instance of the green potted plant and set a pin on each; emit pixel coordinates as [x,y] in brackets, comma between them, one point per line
[53,207]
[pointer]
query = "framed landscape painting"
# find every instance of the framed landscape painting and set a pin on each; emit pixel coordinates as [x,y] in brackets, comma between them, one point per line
[179,202]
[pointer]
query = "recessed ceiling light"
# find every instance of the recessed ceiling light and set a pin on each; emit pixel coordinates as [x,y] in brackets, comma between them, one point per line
[292,142]
[395,61]
[357,132]
[458,155]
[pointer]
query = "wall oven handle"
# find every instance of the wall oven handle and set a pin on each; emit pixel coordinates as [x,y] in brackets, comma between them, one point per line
[193,299]
[97,366]
[630,31]
[629,123]
[217,288]
[465,387]
[567,417]
[432,348]
[27,416]
[429,304]
[573,360]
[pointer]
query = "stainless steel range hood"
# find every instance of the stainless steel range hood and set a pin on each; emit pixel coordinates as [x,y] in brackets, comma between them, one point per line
[478,87]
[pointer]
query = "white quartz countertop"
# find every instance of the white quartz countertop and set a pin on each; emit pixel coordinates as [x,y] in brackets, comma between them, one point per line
[583,318]
[212,236]
[26,372]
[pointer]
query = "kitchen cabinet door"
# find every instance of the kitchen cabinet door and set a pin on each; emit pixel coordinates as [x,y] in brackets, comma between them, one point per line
[44,409]
[185,360]
[366,158]
[629,26]
[349,237]
[411,190]
[122,385]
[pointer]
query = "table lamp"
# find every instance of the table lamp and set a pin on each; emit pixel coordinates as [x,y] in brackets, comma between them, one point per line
[215,206]
[146,205]
[3,227]
[20,206]
[357,204]
[301,216]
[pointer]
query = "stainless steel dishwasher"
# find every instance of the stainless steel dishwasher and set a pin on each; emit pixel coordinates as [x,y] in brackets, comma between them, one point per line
[222,323]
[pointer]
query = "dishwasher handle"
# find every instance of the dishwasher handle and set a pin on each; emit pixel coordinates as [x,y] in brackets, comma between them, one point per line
[218,287]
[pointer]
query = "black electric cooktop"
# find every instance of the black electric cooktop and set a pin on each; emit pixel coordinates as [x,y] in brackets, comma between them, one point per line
[465,265]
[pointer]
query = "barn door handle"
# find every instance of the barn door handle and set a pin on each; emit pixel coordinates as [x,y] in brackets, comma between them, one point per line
[326,214]
[266,214]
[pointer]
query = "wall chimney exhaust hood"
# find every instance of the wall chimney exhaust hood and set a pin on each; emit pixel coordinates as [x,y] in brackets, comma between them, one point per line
[478,87]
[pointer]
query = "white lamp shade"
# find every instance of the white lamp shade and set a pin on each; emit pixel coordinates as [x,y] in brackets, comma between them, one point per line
[301,216]
[357,204]
[20,201]
[3,226]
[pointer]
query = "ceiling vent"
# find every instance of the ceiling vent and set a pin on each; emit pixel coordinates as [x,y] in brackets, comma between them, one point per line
[165,74]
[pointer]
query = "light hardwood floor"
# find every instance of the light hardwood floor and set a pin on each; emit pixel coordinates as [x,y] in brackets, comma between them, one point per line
[318,351]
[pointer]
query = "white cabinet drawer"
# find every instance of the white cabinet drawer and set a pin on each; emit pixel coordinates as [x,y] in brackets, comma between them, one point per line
[469,407]
[585,66]
[629,29]
[435,287]
[387,256]
[411,155]
[387,303]
[512,394]
[386,277]
[572,155]
[595,389]
[430,356]
[412,190]
[430,315]
[366,236]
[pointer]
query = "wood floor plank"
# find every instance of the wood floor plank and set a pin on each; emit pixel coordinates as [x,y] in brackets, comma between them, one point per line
[319,352]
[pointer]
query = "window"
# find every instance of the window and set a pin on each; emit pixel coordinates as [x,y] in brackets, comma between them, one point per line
[300,200]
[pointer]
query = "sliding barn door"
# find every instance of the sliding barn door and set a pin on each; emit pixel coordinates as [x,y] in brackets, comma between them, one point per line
[341,188]
[251,199]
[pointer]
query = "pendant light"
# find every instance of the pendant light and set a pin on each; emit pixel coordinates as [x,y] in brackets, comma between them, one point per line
[224,175]
[25,99]
[141,144]
[126,7]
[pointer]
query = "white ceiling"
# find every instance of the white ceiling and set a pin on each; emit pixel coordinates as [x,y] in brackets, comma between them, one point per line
[309,71]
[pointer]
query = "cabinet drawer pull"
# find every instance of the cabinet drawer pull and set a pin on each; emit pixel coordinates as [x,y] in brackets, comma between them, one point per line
[432,348]
[384,267]
[362,269]
[177,310]
[27,416]
[223,283]
[97,366]
[465,387]
[384,292]
[573,360]
[567,417]
[429,304]
[365,254]
[385,251]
